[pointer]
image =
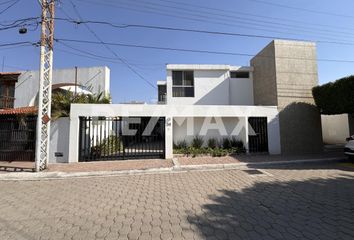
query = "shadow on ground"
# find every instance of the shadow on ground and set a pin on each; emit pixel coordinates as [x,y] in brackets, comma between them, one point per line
[311,209]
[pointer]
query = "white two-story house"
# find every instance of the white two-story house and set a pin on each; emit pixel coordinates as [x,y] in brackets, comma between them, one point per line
[267,105]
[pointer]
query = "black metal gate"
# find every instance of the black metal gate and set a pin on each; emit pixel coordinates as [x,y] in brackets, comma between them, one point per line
[17,138]
[258,134]
[119,138]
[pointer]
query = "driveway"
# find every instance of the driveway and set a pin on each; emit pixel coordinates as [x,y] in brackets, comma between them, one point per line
[293,202]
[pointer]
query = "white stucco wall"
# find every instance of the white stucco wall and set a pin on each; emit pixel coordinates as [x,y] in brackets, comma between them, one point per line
[59,140]
[335,128]
[171,112]
[28,83]
[180,129]
[213,86]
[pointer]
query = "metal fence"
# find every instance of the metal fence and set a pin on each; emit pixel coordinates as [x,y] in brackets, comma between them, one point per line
[17,138]
[107,138]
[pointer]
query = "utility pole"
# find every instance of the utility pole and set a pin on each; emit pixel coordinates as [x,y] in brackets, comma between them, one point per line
[45,84]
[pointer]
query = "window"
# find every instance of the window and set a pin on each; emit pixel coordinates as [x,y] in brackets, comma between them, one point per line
[7,95]
[183,83]
[239,74]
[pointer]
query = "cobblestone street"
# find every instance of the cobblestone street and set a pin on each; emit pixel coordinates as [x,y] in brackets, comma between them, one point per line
[293,202]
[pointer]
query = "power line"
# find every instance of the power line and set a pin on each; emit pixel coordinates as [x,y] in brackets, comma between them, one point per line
[253,15]
[198,31]
[84,54]
[196,51]
[6,2]
[18,43]
[10,6]
[233,17]
[113,52]
[193,17]
[301,9]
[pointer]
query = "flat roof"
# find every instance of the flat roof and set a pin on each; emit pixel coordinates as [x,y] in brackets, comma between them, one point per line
[207,67]
[161,82]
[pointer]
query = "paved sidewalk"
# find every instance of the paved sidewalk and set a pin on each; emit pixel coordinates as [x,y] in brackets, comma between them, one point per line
[288,202]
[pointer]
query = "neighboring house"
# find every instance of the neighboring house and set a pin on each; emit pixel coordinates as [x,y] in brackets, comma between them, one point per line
[17,125]
[81,80]
[8,81]
[94,79]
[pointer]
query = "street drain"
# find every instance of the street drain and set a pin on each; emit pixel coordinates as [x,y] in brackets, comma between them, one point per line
[253,172]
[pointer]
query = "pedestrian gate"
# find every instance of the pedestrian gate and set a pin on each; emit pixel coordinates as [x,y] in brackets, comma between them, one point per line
[119,138]
[258,135]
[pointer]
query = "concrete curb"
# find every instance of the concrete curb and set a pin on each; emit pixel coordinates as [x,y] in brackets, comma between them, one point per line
[177,168]
[259,164]
[65,175]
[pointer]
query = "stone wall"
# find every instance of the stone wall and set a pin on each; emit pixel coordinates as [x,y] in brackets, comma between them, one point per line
[264,85]
[290,76]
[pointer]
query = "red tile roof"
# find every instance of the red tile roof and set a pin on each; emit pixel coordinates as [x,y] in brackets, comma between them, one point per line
[18,111]
[12,76]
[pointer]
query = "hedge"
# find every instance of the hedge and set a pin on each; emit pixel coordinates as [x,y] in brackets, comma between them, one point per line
[335,97]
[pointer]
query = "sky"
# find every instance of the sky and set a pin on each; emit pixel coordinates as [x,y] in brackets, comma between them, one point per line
[134,71]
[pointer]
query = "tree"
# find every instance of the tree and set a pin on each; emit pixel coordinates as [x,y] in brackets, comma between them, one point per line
[61,101]
[335,97]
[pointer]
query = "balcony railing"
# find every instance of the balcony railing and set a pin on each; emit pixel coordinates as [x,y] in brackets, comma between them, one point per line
[7,102]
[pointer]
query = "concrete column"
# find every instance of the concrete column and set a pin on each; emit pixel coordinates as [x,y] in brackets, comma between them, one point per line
[74,140]
[169,137]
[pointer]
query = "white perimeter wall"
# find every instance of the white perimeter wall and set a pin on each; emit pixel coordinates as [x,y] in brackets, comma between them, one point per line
[335,128]
[28,83]
[59,140]
[214,87]
[180,129]
[171,112]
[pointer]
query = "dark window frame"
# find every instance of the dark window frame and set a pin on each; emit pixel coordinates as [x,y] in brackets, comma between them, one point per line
[183,87]
[239,74]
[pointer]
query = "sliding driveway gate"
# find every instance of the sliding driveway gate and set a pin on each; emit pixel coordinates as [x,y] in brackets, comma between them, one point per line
[119,138]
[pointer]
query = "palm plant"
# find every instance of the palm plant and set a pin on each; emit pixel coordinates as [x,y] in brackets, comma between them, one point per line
[61,101]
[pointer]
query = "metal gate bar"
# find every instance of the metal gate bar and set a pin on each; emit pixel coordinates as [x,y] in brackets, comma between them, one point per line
[102,138]
[258,142]
[17,138]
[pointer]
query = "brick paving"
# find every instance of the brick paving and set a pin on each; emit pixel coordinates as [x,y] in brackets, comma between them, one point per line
[299,202]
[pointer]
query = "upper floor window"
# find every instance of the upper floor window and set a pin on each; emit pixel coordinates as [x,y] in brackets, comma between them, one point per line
[182,83]
[7,95]
[239,74]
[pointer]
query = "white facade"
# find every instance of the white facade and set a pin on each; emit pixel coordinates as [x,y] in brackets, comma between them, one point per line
[213,85]
[96,78]
[173,113]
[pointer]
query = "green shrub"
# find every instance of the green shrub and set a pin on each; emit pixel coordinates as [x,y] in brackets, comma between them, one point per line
[335,97]
[197,142]
[111,144]
[181,145]
[226,144]
[212,143]
[219,152]
[236,143]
